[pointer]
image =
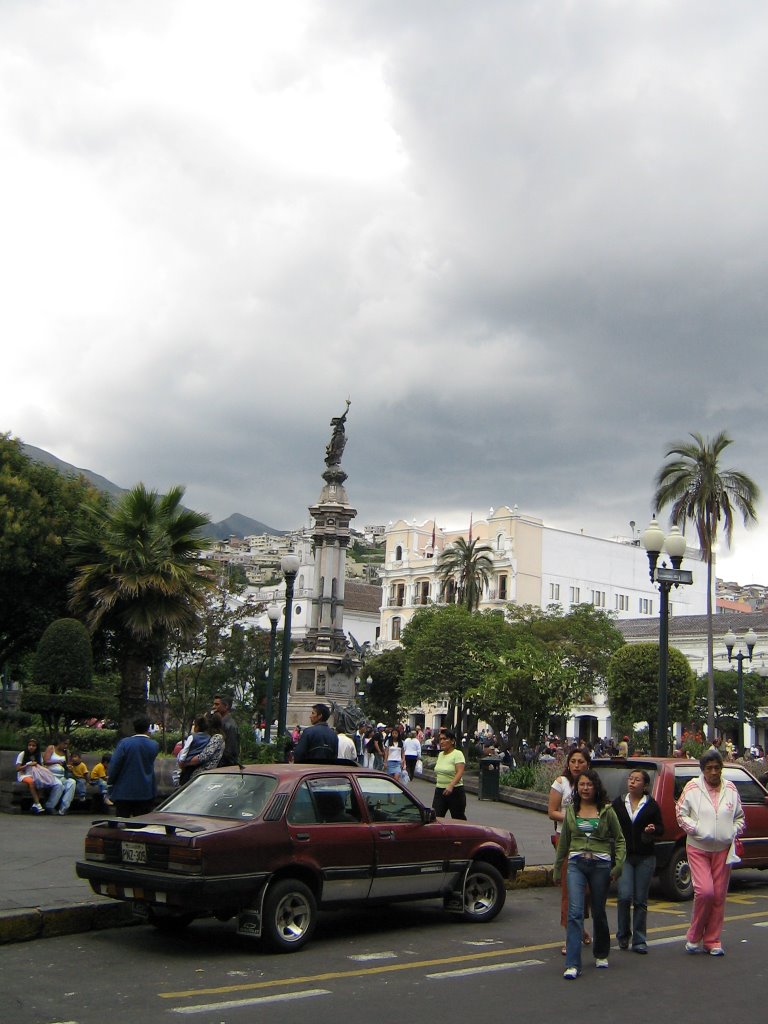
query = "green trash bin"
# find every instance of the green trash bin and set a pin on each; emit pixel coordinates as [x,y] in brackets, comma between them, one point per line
[490,770]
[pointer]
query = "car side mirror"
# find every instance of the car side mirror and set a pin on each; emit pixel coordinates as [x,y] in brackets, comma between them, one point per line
[429,814]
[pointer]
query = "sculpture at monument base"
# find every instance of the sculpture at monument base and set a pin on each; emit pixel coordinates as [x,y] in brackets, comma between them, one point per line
[348,718]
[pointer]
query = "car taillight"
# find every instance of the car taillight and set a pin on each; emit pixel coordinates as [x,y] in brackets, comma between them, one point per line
[94,848]
[185,858]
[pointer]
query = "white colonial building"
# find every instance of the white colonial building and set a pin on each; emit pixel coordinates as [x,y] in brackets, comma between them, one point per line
[537,565]
[532,564]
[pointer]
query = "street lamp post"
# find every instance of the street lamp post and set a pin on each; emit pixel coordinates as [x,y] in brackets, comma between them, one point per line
[289,565]
[674,544]
[750,639]
[273,614]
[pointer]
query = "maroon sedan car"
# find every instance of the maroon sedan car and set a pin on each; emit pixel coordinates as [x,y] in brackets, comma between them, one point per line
[270,844]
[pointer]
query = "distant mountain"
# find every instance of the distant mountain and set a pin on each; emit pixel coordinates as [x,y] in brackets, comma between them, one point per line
[67,469]
[235,525]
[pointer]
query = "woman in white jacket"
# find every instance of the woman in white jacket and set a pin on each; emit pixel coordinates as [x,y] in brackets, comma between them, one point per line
[710,813]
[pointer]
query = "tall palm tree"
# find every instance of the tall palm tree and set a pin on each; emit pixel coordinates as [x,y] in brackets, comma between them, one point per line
[470,564]
[700,490]
[139,575]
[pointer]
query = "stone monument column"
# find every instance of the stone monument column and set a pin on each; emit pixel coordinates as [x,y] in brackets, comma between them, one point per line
[323,668]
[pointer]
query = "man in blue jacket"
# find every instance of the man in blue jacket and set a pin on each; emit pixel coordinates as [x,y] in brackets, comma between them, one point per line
[132,772]
[318,744]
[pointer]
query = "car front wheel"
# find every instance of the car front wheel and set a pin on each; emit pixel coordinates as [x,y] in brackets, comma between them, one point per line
[290,916]
[484,893]
[675,877]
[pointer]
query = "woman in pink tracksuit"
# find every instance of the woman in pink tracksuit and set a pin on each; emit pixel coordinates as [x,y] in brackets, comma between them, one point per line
[710,813]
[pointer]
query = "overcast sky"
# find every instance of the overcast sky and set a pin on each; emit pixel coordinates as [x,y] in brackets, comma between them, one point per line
[528,240]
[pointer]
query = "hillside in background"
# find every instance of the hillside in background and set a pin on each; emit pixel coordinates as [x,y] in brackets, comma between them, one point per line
[236,525]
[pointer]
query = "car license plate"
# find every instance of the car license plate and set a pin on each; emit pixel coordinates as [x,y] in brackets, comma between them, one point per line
[134,853]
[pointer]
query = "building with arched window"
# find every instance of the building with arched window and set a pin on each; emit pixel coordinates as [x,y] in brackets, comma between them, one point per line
[532,564]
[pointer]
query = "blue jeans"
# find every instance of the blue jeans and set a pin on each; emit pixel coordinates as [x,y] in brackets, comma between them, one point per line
[634,883]
[597,875]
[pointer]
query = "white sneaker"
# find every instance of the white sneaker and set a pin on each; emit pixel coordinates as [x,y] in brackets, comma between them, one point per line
[571,973]
[37,808]
[601,962]
[717,951]
[693,947]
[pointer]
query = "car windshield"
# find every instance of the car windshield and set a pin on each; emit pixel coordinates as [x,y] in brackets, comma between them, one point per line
[615,775]
[223,796]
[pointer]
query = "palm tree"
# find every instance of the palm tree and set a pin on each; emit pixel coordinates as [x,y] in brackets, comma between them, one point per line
[139,576]
[471,565]
[700,490]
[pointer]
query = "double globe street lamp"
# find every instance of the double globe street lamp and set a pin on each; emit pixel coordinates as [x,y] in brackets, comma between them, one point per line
[289,566]
[273,614]
[674,545]
[750,639]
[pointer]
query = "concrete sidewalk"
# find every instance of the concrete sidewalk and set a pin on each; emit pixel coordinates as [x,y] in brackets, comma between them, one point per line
[41,896]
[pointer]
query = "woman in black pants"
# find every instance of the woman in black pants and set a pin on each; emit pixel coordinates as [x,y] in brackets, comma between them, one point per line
[640,819]
[449,787]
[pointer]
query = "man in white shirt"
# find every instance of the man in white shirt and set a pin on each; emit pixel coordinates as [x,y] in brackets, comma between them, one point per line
[347,749]
[412,752]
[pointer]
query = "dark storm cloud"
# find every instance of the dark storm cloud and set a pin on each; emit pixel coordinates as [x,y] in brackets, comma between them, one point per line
[528,241]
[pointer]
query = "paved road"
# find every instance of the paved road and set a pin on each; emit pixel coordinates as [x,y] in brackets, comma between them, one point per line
[399,962]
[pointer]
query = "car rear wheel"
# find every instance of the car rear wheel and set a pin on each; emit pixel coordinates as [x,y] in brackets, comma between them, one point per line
[484,893]
[290,916]
[675,877]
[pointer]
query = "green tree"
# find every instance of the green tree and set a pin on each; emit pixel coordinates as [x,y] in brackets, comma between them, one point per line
[524,686]
[584,639]
[470,565]
[633,686]
[726,698]
[449,650]
[699,489]
[382,700]
[39,507]
[62,678]
[139,576]
[196,664]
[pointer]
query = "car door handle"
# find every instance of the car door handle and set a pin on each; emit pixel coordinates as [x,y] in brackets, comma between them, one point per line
[302,837]
[387,834]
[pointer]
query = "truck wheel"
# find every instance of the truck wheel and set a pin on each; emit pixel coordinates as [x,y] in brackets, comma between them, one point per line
[675,878]
[290,916]
[484,893]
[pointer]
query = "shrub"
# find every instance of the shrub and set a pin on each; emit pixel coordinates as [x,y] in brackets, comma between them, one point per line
[693,744]
[83,738]
[522,777]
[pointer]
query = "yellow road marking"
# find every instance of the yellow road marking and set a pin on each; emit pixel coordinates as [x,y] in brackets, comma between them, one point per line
[367,972]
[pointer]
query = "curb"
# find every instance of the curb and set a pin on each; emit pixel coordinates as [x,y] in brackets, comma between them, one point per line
[48,922]
[538,876]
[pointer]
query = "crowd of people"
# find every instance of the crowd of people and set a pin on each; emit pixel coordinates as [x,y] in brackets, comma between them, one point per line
[598,842]
[125,779]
